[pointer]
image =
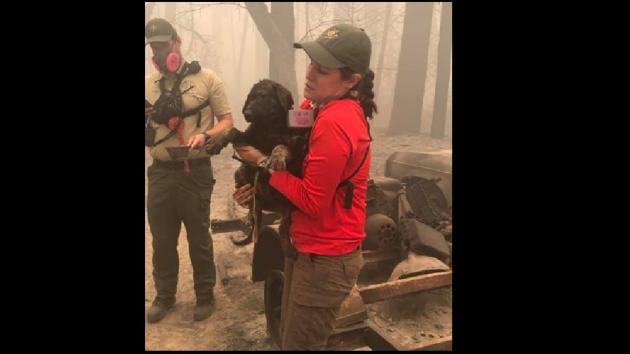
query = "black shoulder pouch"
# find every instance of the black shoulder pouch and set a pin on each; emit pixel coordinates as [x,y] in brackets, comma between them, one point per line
[149,136]
[149,131]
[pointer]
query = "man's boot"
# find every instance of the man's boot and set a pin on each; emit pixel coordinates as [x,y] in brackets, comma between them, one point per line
[204,309]
[158,310]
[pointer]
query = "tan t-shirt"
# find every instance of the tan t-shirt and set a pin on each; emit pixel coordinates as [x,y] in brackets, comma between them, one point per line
[205,85]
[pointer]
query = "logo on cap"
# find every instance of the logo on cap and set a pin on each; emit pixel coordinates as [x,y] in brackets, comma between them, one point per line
[332,33]
[153,28]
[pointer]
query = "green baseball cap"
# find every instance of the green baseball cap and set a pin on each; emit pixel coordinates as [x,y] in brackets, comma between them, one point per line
[340,46]
[158,30]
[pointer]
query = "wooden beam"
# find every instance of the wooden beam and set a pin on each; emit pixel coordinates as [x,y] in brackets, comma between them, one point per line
[445,343]
[378,338]
[396,288]
[348,337]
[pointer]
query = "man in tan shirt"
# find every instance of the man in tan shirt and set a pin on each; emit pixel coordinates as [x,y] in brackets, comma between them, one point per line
[179,190]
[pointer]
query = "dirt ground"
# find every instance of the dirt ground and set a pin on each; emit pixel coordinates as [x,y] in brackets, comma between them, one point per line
[238,322]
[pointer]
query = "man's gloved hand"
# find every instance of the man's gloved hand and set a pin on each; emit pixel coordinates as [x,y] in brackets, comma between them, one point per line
[215,144]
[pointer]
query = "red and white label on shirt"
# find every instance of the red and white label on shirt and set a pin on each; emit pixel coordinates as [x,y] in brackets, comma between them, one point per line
[300,118]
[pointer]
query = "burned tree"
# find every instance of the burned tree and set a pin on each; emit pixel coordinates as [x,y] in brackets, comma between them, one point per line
[277,29]
[382,51]
[412,69]
[443,74]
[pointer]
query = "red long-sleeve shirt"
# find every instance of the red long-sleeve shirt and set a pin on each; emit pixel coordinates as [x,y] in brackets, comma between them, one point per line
[338,141]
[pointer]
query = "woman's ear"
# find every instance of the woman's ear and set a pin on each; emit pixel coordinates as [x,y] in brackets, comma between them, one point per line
[354,80]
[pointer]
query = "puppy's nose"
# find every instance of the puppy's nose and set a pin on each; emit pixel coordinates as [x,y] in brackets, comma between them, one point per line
[247,111]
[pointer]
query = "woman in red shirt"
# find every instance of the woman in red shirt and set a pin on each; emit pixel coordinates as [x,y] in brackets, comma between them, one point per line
[328,226]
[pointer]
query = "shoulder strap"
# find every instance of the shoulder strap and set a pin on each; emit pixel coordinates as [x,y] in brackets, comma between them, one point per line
[190,69]
[195,110]
[347,203]
[346,181]
[170,134]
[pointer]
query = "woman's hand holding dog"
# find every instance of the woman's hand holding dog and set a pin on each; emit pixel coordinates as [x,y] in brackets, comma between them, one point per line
[243,195]
[251,155]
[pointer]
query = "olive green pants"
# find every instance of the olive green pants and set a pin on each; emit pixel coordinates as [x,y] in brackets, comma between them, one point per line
[176,196]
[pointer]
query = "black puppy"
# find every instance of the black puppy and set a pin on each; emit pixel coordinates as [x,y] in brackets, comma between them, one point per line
[266,109]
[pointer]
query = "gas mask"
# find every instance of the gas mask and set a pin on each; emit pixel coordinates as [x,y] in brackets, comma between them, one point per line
[168,60]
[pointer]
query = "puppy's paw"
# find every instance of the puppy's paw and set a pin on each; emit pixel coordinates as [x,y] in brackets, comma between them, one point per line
[278,159]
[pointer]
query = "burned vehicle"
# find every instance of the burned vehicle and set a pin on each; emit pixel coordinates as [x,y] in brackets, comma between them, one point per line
[407,250]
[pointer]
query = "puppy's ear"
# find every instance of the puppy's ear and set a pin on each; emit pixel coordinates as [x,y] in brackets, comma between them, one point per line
[284,97]
[246,103]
